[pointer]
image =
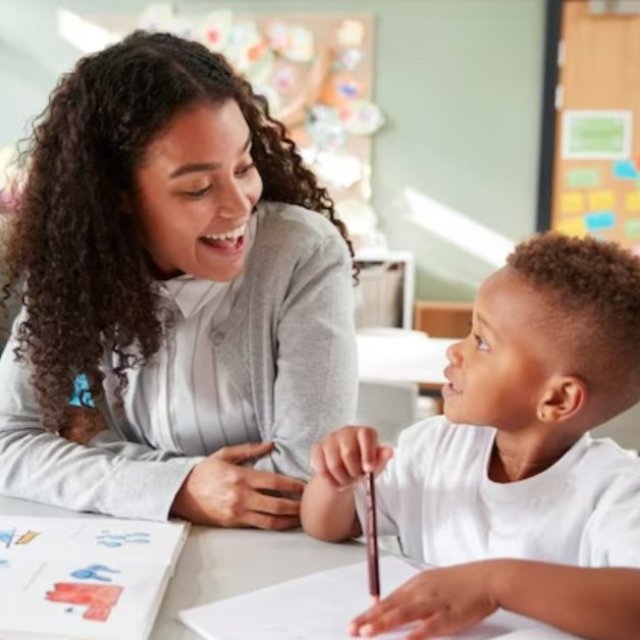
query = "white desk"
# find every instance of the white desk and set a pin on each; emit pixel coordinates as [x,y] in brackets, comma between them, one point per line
[221,563]
[399,356]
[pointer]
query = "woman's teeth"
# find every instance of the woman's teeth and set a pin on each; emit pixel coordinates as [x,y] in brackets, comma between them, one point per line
[234,234]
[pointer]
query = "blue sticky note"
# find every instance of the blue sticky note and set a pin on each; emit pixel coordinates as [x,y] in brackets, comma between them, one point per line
[599,220]
[625,170]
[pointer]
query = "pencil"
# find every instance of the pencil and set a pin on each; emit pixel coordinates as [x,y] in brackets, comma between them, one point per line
[371,536]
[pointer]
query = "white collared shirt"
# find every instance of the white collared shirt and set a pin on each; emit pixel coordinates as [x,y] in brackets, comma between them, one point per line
[182,400]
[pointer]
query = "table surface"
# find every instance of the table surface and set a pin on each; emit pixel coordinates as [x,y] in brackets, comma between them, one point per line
[221,563]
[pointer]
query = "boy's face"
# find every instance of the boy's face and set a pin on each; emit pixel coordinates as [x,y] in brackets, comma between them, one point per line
[497,373]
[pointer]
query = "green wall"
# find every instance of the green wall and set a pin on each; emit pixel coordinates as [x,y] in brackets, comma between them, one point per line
[460,82]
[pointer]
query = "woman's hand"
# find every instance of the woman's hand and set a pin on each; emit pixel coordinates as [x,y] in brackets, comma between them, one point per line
[344,456]
[221,493]
[441,601]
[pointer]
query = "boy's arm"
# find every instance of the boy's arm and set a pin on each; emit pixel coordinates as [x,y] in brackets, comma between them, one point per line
[599,604]
[339,461]
[588,602]
[328,513]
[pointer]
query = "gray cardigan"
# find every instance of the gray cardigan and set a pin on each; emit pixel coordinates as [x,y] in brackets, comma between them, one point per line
[289,342]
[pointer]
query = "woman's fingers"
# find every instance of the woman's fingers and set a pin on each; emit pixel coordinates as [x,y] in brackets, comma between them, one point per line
[270,522]
[273,505]
[238,453]
[272,481]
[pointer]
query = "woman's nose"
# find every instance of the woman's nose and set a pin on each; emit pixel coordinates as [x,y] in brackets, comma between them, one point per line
[234,201]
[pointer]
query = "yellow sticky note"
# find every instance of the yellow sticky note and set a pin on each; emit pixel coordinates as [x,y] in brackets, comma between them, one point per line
[572,227]
[572,202]
[632,201]
[601,200]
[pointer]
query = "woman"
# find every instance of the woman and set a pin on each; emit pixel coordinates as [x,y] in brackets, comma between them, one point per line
[177,253]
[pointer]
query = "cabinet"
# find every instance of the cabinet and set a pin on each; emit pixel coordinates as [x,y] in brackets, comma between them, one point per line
[385,293]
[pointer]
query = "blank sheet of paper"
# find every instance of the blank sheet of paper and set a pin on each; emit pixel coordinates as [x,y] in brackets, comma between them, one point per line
[316,607]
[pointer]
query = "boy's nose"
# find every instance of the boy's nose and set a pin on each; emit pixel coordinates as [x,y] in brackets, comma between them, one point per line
[454,352]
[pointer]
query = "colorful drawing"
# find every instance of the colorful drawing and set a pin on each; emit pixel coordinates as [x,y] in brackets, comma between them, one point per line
[601,200]
[27,537]
[596,135]
[6,537]
[632,228]
[632,201]
[108,539]
[600,220]
[98,598]
[92,573]
[584,178]
[572,202]
[625,170]
[572,227]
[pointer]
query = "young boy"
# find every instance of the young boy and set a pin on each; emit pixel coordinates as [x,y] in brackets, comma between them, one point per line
[529,514]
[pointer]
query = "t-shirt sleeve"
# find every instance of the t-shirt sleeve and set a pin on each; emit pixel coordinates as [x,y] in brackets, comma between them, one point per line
[612,535]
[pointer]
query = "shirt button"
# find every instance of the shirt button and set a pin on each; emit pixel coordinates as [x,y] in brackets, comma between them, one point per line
[218,337]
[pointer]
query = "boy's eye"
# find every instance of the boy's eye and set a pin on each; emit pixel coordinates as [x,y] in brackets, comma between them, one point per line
[480,342]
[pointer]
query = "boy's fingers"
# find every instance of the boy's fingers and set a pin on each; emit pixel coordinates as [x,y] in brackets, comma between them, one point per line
[384,455]
[368,442]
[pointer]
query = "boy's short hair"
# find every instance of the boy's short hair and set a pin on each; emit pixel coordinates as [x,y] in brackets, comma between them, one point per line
[593,316]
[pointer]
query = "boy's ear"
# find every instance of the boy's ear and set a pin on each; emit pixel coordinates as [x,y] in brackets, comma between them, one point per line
[564,398]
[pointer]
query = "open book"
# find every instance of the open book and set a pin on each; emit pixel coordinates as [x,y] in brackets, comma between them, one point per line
[84,577]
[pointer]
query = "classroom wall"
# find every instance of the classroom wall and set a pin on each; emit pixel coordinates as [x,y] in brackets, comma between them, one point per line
[459,80]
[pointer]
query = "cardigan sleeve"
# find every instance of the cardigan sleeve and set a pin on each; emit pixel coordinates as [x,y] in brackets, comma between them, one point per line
[41,466]
[315,388]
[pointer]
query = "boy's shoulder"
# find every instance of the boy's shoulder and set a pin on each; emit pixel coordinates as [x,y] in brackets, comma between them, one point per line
[438,439]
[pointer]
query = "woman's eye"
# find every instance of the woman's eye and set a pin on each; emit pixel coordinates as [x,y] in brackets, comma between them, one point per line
[247,169]
[197,193]
[480,343]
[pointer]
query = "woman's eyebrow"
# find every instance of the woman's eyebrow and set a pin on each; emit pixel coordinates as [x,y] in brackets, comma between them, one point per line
[193,167]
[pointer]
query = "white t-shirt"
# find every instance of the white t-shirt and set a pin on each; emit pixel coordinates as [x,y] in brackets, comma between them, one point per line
[435,495]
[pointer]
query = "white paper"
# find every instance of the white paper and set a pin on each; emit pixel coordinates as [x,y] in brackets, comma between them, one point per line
[316,607]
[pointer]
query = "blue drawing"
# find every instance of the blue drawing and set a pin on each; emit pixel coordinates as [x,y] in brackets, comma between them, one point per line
[4,564]
[600,220]
[625,170]
[92,573]
[6,537]
[114,540]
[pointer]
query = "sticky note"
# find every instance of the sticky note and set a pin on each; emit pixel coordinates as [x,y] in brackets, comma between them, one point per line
[572,202]
[600,200]
[600,220]
[572,227]
[625,170]
[632,228]
[632,201]
[583,178]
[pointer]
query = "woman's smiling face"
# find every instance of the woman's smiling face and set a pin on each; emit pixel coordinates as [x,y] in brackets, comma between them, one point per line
[195,192]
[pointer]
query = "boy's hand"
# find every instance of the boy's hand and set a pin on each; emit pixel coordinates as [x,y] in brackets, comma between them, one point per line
[441,601]
[344,456]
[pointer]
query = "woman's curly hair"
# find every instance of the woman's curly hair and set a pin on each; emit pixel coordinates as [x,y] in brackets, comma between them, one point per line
[89,288]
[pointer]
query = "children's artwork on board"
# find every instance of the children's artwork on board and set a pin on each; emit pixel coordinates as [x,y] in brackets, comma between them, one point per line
[314,69]
[58,577]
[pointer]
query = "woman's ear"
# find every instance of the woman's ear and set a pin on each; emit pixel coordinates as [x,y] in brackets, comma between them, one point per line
[564,398]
